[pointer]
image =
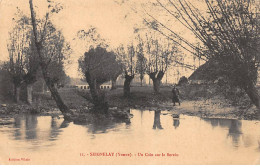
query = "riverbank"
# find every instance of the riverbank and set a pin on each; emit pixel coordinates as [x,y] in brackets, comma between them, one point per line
[205,101]
[198,100]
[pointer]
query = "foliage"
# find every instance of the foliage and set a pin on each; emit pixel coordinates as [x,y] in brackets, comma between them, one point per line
[45,41]
[127,57]
[141,64]
[161,52]
[229,32]
[6,90]
[55,52]
[100,64]
[22,63]
[91,39]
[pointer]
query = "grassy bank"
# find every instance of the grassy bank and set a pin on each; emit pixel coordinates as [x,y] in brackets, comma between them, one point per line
[201,100]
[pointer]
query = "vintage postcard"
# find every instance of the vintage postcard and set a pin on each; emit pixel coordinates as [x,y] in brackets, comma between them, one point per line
[129,82]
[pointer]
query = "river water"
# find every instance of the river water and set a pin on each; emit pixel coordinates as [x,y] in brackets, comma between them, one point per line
[152,137]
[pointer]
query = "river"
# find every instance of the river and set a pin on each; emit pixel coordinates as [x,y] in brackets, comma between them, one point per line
[152,137]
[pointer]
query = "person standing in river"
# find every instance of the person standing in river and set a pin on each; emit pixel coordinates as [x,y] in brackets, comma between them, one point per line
[175,96]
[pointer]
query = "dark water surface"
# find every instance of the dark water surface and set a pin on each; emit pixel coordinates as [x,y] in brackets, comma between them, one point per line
[190,140]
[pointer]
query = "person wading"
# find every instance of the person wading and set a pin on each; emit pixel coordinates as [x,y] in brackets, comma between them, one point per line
[175,96]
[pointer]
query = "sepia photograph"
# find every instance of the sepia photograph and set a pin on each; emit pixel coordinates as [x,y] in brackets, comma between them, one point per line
[129,82]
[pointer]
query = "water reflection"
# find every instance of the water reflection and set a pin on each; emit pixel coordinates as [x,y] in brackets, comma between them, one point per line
[37,128]
[234,128]
[100,127]
[17,131]
[176,123]
[31,126]
[235,131]
[157,120]
[55,129]
[142,113]
[213,139]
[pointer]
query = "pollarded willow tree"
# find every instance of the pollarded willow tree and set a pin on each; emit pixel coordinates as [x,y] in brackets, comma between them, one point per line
[161,53]
[90,39]
[22,65]
[229,31]
[17,48]
[127,58]
[98,65]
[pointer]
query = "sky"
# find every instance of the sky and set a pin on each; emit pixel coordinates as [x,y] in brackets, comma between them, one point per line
[114,20]
[106,15]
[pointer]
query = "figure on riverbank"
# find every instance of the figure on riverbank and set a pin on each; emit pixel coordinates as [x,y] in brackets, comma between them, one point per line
[175,96]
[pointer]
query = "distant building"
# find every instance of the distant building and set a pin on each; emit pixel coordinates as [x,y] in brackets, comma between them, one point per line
[199,75]
[206,72]
[86,86]
[82,85]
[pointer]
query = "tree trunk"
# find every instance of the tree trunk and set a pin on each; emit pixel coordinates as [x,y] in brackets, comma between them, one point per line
[156,80]
[29,89]
[141,81]
[93,89]
[252,93]
[38,43]
[113,84]
[101,105]
[156,85]
[128,80]
[94,92]
[98,98]
[67,113]
[17,90]
[56,96]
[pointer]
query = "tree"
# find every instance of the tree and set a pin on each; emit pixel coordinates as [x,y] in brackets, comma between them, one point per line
[31,68]
[141,60]
[5,81]
[229,32]
[90,39]
[127,58]
[97,65]
[49,44]
[22,63]
[161,53]
[16,64]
